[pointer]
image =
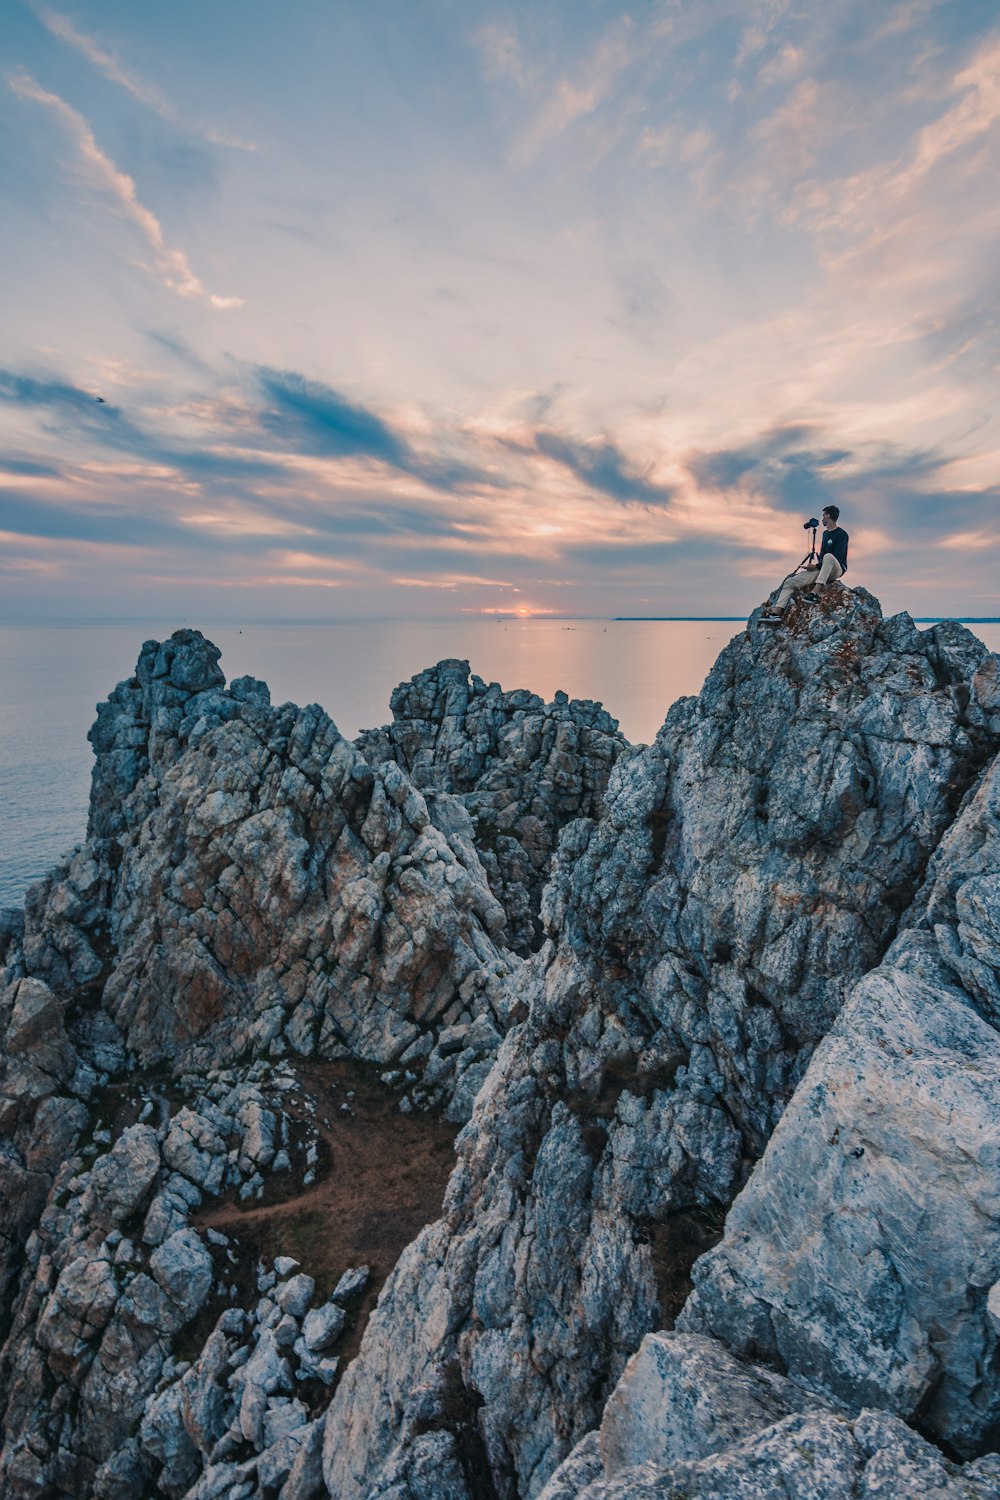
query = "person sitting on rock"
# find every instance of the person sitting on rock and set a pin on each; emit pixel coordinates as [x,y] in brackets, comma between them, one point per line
[832,565]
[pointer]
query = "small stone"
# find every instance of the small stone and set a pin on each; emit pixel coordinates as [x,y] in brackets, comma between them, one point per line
[283,1416]
[286,1332]
[352,1282]
[295,1295]
[323,1327]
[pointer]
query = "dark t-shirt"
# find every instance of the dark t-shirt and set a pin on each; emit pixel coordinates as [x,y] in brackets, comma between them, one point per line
[835,541]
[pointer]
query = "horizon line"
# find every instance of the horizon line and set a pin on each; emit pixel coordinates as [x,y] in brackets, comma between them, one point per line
[67,620]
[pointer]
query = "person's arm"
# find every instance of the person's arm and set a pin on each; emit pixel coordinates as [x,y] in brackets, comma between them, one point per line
[838,545]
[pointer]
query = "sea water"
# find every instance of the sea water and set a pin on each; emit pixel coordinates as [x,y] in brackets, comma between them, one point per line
[51,678]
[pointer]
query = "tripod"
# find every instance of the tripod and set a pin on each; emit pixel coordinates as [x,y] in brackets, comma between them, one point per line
[811,559]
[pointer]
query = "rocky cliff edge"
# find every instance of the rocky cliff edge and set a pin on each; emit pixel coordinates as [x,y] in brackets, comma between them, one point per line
[745,974]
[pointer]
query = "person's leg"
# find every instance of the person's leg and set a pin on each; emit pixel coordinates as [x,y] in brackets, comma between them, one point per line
[795,581]
[831,570]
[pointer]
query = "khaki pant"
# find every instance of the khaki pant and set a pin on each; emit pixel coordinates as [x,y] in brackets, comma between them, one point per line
[808,579]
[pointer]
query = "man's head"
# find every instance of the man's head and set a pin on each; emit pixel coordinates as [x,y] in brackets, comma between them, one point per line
[831,515]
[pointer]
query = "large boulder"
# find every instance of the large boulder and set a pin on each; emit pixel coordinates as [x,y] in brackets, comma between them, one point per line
[864,1254]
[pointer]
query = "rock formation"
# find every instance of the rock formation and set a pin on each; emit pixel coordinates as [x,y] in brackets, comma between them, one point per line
[750,968]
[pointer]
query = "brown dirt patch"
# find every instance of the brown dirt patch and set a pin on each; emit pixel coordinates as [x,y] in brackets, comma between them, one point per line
[380,1178]
[677,1242]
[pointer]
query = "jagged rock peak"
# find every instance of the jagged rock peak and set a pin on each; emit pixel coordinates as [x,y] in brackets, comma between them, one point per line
[749,868]
[522,768]
[799,877]
[251,879]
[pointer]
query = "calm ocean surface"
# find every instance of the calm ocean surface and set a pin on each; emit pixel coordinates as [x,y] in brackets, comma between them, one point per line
[51,678]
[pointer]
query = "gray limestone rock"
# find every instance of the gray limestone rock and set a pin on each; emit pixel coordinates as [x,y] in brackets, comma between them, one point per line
[277,1461]
[293,1296]
[266,1373]
[350,1284]
[78,1308]
[622,1028]
[305,1478]
[120,1180]
[813,1457]
[578,1470]
[165,1438]
[883,1177]
[749,868]
[194,1148]
[684,1397]
[254,883]
[521,768]
[323,1326]
[183,1268]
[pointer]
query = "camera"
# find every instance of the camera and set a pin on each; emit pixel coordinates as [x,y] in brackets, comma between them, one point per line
[812,523]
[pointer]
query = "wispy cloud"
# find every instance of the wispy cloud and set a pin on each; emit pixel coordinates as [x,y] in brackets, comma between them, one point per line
[143,92]
[571,98]
[502,54]
[72,413]
[307,411]
[171,266]
[312,417]
[603,467]
[764,17]
[906,17]
[868,201]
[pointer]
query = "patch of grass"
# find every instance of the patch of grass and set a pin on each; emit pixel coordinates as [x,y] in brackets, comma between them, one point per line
[380,1178]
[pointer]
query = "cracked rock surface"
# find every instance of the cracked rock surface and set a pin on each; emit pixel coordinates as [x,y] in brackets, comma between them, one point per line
[720,1010]
[749,869]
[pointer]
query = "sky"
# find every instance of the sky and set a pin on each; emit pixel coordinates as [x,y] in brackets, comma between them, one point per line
[367,308]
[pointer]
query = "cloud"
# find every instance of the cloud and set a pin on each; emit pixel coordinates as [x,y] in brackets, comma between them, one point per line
[23,468]
[170,266]
[26,516]
[109,427]
[648,559]
[179,350]
[603,467]
[975,114]
[307,412]
[897,505]
[645,299]
[28,390]
[241,442]
[878,198]
[571,99]
[765,16]
[502,55]
[779,463]
[790,139]
[785,64]
[906,17]
[144,93]
[310,416]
